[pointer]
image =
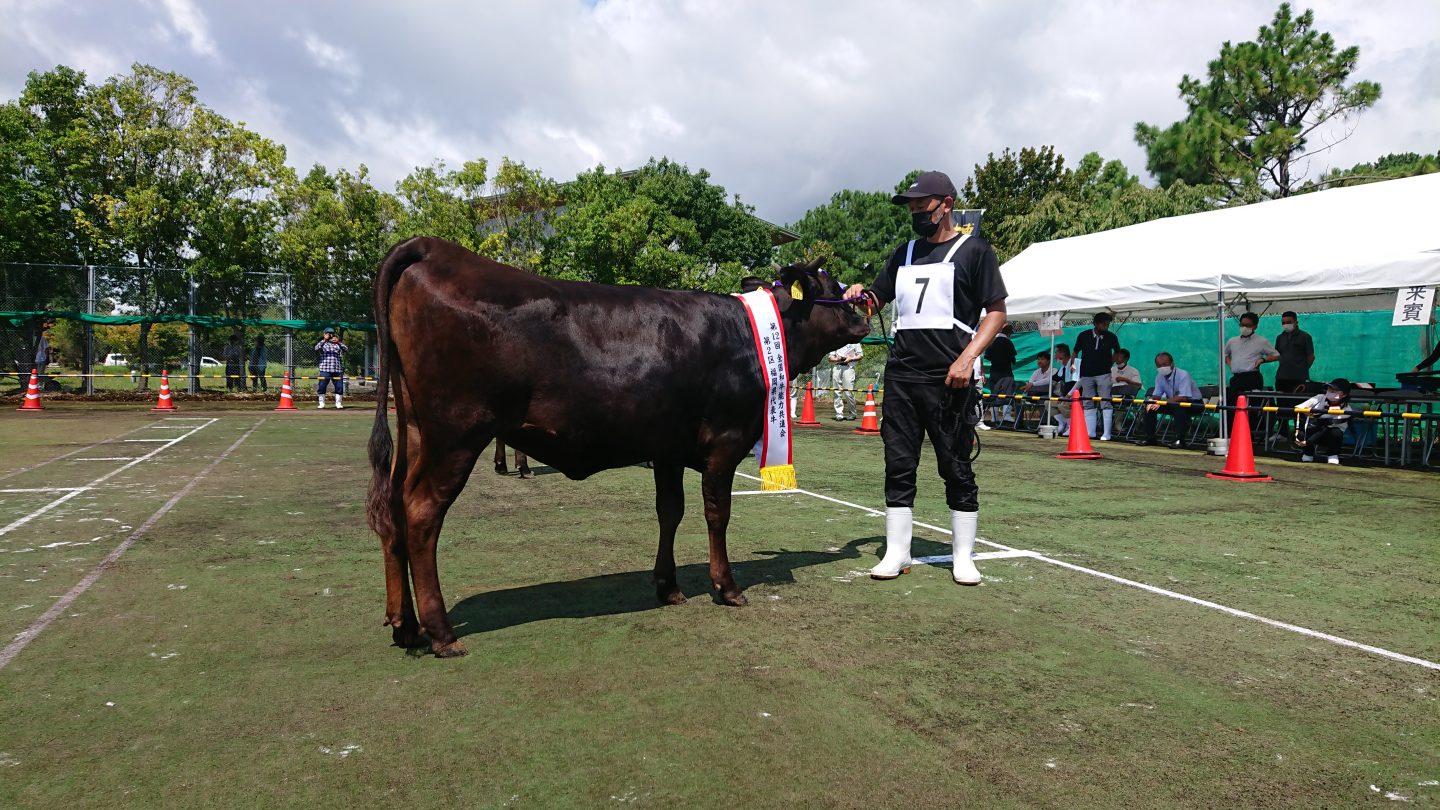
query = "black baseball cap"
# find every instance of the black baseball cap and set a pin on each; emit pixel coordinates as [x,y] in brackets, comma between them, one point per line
[1340,384]
[929,184]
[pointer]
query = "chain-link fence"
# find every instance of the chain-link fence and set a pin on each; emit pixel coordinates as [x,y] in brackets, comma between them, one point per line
[92,329]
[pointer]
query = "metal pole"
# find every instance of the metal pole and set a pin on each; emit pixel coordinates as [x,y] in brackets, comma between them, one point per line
[290,333]
[1220,322]
[87,365]
[194,386]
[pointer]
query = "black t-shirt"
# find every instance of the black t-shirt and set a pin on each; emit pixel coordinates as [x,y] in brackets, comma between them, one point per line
[1001,355]
[925,355]
[1096,351]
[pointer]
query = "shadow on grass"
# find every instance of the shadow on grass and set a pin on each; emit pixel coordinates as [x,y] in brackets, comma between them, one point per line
[634,591]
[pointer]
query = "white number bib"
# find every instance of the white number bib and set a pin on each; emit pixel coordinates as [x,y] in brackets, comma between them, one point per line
[925,293]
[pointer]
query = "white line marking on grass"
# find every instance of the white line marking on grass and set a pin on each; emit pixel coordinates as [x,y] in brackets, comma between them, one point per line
[107,458]
[40,464]
[47,489]
[765,492]
[102,479]
[984,555]
[1241,614]
[147,440]
[29,634]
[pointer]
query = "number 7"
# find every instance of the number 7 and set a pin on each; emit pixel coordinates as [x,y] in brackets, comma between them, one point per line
[924,286]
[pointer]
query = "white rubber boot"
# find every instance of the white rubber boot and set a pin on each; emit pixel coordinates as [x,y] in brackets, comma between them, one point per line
[899,523]
[1090,422]
[1108,417]
[962,545]
[320,402]
[337,402]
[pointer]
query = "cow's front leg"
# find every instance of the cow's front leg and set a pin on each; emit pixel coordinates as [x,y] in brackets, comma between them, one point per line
[670,508]
[715,484]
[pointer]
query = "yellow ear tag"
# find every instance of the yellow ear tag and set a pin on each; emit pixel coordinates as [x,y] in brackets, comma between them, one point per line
[797,292]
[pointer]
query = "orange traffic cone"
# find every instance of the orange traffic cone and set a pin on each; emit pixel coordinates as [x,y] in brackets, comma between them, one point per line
[807,407]
[32,393]
[1240,458]
[287,399]
[1079,446]
[165,403]
[869,422]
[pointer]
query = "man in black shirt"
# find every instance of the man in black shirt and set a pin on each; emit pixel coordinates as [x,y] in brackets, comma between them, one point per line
[1001,357]
[1095,348]
[939,284]
[1297,355]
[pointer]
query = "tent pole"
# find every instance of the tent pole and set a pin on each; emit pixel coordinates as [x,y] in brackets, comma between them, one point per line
[1220,322]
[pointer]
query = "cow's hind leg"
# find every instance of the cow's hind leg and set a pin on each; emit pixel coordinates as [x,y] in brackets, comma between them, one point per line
[670,508]
[716,484]
[431,486]
[399,608]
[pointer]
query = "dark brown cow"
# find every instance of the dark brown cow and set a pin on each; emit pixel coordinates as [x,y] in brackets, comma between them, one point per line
[584,377]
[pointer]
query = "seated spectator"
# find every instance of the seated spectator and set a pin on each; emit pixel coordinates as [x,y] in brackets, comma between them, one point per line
[1173,386]
[1042,382]
[1125,379]
[1001,357]
[1067,374]
[1322,431]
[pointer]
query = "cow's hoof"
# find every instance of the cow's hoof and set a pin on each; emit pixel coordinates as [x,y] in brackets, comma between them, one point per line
[736,599]
[501,469]
[526,474]
[674,597]
[454,649]
[409,637]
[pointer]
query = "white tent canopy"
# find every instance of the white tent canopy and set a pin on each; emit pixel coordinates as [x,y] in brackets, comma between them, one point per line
[1351,241]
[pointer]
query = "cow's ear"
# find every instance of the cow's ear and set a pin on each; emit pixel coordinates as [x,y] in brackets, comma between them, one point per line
[799,282]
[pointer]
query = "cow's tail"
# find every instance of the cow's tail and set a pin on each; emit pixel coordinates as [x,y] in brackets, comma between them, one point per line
[379,510]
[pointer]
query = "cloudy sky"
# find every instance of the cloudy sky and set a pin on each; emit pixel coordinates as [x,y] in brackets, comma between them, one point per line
[783,102]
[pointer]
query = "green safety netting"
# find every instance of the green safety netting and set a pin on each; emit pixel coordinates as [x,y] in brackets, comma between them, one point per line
[1360,346]
[19,318]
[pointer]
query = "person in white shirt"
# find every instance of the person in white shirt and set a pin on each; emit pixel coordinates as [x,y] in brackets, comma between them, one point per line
[1182,400]
[842,376]
[1125,379]
[1042,382]
[1067,373]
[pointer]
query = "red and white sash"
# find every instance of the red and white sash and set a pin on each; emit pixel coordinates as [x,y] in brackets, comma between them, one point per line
[776,470]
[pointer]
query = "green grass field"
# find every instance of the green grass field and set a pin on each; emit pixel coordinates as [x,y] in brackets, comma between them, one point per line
[234,655]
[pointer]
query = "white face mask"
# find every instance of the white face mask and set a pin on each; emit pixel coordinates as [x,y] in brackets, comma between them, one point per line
[1164,370]
[1288,327]
[1332,396]
[1246,331]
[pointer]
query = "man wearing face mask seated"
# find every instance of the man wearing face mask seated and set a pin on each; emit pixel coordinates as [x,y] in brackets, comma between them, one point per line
[1321,430]
[1174,385]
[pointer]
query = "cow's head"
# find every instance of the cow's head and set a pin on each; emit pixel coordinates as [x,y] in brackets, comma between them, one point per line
[817,320]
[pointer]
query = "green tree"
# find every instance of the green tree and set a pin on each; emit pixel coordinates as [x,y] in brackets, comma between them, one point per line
[1389,167]
[1251,119]
[1011,185]
[852,230]
[437,202]
[517,213]
[658,226]
[335,230]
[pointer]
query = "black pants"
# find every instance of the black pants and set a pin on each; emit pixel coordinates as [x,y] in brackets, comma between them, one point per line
[914,410]
[1181,416]
[1286,414]
[1324,440]
[1243,383]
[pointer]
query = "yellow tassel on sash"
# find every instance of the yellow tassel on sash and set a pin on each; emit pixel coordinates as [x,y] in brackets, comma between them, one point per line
[777,477]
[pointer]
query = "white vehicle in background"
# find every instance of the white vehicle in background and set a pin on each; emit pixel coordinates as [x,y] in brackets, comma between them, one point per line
[210,362]
[116,360]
